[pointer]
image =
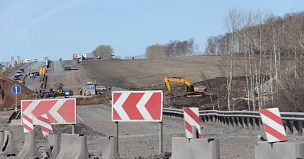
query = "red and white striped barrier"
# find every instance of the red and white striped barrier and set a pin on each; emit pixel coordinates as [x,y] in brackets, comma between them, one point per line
[45,124]
[27,123]
[273,125]
[191,117]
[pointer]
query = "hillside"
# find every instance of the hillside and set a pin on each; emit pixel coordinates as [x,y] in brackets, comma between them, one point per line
[147,74]
[150,73]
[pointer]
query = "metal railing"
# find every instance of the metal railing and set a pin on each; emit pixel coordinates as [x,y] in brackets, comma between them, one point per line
[293,121]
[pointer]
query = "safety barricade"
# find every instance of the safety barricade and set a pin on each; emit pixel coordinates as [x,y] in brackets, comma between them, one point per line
[265,150]
[29,149]
[107,147]
[8,147]
[53,146]
[195,148]
[73,146]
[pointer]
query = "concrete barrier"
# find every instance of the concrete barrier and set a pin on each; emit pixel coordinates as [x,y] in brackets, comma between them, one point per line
[53,146]
[107,147]
[1,138]
[29,149]
[282,150]
[201,148]
[73,146]
[8,147]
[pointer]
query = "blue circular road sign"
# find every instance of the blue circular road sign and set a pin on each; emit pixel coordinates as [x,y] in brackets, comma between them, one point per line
[16,89]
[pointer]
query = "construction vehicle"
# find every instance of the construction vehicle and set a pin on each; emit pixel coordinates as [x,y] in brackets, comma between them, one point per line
[191,90]
[58,89]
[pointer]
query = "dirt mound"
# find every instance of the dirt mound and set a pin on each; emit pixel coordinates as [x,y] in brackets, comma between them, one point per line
[7,98]
[216,95]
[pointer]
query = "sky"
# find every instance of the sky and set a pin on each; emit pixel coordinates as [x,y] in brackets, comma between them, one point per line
[62,28]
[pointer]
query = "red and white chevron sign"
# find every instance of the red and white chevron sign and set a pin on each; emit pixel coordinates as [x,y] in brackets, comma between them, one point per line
[59,111]
[273,125]
[45,124]
[191,117]
[27,123]
[137,106]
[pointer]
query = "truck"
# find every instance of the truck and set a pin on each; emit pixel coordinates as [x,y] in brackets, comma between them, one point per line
[67,64]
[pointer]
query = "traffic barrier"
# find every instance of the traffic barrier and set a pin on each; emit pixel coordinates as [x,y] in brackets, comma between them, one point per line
[195,148]
[1,138]
[73,146]
[273,124]
[29,149]
[8,147]
[107,147]
[53,146]
[45,124]
[265,150]
[191,118]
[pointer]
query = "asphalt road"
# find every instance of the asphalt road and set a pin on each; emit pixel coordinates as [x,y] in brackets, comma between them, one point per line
[93,113]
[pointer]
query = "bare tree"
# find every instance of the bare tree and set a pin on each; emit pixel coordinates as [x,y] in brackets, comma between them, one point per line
[104,51]
[155,51]
[232,24]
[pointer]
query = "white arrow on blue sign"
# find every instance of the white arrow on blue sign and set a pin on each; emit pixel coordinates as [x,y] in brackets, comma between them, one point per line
[16,89]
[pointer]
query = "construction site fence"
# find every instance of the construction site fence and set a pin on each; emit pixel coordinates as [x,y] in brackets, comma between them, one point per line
[293,121]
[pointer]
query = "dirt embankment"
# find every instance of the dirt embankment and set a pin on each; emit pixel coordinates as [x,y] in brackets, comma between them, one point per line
[7,98]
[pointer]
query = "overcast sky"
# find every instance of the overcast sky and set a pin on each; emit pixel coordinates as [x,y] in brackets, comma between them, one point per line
[62,28]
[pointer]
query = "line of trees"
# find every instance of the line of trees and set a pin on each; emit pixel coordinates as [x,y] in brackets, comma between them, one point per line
[104,51]
[273,48]
[172,49]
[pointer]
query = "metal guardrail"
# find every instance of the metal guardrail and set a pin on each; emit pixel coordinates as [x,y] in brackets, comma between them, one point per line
[295,116]
[293,121]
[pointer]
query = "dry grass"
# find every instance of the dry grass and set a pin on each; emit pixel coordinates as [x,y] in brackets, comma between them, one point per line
[150,73]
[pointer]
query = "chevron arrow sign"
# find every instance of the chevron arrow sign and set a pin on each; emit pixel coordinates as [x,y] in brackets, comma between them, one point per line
[134,106]
[59,111]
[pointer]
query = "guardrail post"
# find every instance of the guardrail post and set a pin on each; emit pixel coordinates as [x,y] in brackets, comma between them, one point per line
[210,119]
[241,122]
[221,119]
[236,121]
[227,120]
[295,128]
[261,124]
[288,127]
[245,123]
[214,119]
[231,121]
[256,124]
[302,126]
[250,123]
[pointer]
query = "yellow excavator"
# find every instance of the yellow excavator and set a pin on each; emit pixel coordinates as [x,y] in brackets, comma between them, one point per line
[58,89]
[191,90]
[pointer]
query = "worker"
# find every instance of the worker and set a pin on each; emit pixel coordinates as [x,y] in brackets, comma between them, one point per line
[80,91]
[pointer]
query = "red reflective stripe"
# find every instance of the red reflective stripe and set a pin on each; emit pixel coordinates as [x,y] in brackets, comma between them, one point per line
[130,106]
[153,106]
[46,129]
[272,116]
[192,115]
[116,115]
[188,127]
[27,128]
[115,97]
[27,118]
[274,133]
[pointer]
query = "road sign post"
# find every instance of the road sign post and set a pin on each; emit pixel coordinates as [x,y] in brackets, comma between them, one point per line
[16,89]
[138,106]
